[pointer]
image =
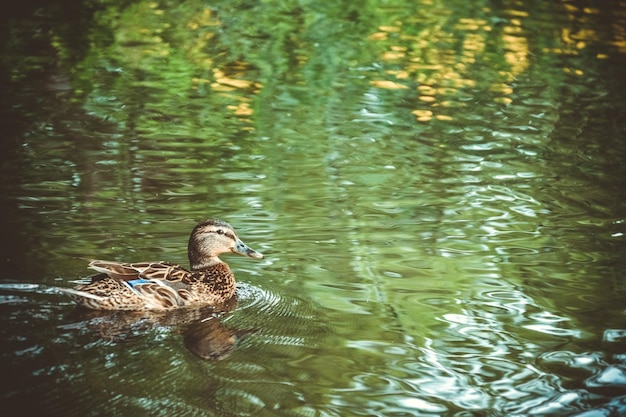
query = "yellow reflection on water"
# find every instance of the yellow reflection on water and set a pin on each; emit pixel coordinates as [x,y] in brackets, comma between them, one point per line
[387,84]
[516,46]
[226,83]
[445,59]
[584,32]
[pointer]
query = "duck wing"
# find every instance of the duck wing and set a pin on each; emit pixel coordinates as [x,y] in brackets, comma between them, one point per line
[164,271]
[135,286]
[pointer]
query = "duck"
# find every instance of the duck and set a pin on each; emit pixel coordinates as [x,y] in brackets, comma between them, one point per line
[163,286]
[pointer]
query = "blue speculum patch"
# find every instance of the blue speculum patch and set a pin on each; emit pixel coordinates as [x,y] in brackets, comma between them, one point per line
[138,281]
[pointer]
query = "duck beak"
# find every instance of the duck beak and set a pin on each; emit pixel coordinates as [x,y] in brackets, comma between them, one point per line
[243,249]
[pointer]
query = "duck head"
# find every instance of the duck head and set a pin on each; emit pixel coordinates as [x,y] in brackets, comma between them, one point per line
[211,238]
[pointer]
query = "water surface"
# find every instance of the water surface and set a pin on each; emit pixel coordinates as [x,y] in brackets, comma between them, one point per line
[437,188]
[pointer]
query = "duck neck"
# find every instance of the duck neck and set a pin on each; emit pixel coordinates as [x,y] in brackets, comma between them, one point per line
[198,264]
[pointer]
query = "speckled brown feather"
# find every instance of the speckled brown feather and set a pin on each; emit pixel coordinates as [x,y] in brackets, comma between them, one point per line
[177,287]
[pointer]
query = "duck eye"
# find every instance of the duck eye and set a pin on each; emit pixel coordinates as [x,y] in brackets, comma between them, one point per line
[220,232]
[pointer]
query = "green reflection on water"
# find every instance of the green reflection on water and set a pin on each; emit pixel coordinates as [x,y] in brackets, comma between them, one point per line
[434,185]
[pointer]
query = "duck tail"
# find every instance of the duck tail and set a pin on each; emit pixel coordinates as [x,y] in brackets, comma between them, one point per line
[85,299]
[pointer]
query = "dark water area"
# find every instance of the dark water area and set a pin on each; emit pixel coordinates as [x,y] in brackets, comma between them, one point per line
[437,187]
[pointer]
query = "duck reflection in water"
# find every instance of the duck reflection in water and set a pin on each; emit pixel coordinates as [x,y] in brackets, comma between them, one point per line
[210,339]
[202,329]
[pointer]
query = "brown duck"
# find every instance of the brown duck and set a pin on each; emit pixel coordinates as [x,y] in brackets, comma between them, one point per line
[165,286]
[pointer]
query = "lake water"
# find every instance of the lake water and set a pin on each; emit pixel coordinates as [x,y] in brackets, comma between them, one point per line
[437,187]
